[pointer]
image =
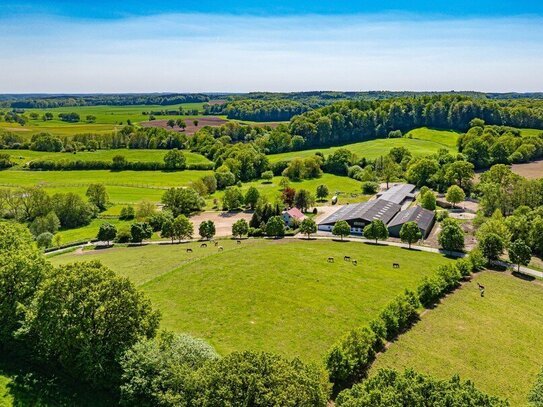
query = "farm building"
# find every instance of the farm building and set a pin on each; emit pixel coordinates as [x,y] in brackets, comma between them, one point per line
[398,194]
[359,215]
[293,215]
[423,218]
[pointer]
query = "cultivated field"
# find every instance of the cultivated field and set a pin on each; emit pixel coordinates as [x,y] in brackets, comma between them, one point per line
[191,128]
[279,296]
[423,142]
[494,341]
[531,170]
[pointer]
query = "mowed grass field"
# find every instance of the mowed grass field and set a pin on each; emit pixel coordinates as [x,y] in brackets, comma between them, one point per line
[422,141]
[279,296]
[494,341]
[23,156]
[335,183]
[108,118]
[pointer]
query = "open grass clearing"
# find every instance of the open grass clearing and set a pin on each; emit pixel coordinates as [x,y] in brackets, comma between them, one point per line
[350,189]
[424,141]
[279,296]
[494,341]
[69,179]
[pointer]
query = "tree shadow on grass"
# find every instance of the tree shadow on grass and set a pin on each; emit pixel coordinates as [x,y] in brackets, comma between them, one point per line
[523,276]
[31,385]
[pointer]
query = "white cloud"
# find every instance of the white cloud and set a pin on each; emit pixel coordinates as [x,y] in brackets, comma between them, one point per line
[196,52]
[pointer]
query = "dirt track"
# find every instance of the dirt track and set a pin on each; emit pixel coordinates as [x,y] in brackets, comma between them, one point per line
[223,221]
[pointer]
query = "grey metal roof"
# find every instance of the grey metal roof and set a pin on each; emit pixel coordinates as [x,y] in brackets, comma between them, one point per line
[423,217]
[398,193]
[368,211]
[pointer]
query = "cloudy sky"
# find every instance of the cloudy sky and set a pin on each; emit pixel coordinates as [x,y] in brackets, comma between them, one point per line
[233,46]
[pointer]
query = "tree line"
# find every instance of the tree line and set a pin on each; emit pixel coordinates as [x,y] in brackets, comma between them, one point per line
[45,102]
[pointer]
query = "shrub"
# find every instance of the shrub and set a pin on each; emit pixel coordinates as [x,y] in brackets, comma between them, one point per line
[256,232]
[369,187]
[44,240]
[390,388]
[348,359]
[399,314]
[158,372]
[429,292]
[260,379]
[441,215]
[464,267]
[123,234]
[536,394]
[127,213]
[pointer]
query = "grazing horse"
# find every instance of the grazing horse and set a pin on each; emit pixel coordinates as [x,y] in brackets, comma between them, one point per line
[396,265]
[216,244]
[481,289]
[355,263]
[203,245]
[221,248]
[330,259]
[238,242]
[347,258]
[189,250]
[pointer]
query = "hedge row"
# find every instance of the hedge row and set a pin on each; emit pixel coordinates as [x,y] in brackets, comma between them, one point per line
[71,165]
[349,359]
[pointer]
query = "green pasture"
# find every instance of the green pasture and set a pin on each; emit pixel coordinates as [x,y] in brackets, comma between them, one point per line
[60,180]
[277,296]
[424,141]
[493,341]
[349,189]
[23,156]
[108,118]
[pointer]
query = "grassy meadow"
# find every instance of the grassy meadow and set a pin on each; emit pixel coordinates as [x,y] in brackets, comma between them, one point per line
[493,341]
[422,141]
[279,296]
[108,118]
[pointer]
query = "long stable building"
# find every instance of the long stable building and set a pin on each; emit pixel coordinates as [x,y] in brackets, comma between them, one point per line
[387,208]
[359,215]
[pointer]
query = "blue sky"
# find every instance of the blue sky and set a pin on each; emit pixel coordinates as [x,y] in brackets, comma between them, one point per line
[208,45]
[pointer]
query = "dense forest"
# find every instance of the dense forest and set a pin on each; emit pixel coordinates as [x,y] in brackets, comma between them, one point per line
[274,110]
[352,121]
[51,101]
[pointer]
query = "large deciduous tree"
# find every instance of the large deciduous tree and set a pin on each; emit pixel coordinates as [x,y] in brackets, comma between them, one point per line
[410,233]
[376,230]
[84,317]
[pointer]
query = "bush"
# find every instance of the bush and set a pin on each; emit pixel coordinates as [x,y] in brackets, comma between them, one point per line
[348,360]
[441,215]
[369,187]
[429,291]
[44,240]
[389,388]
[159,372]
[464,267]
[536,394]
[400,314]
[256,232]
[127,213]
[260,379]
[123,234]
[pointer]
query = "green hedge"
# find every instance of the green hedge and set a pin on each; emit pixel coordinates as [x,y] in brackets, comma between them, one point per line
[71,165]
[350,357]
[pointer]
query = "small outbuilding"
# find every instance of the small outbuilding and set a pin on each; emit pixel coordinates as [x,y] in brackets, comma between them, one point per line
[424,218]
[292,216]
